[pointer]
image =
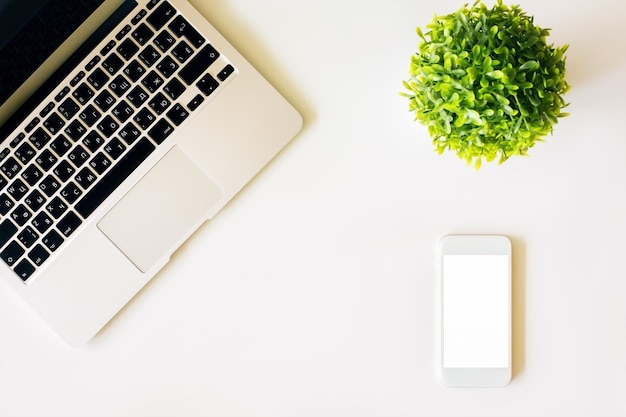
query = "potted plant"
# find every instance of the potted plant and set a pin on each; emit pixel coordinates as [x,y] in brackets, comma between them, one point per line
[486,83]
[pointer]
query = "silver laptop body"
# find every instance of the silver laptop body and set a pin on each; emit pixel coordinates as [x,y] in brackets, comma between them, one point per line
[111,159]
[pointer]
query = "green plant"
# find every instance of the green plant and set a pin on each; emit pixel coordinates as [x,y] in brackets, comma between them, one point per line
[486,83]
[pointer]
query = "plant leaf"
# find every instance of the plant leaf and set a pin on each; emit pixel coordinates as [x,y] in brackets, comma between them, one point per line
[529,65]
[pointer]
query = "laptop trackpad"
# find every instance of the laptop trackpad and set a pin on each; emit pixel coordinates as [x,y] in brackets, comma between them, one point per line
[163,209]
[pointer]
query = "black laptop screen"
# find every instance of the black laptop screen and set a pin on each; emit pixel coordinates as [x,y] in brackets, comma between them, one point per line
[30,31]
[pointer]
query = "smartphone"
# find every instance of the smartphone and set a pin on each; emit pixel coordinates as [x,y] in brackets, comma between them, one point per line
[475,310]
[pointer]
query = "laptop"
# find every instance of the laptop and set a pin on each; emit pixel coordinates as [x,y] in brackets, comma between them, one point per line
[124,126]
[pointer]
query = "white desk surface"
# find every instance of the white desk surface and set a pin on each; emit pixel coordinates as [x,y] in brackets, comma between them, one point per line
[313,293]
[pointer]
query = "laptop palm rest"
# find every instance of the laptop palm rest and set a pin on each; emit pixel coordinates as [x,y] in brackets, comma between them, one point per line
[165,206]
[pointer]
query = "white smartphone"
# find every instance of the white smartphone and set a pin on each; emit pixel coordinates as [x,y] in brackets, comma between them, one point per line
[475,310]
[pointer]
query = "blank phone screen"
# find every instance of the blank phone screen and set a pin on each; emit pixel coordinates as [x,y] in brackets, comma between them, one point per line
[475,309]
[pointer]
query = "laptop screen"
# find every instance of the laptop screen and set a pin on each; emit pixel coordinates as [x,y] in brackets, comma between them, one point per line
[30,31]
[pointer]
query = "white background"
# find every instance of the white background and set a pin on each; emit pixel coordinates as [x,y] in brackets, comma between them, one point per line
[314,292]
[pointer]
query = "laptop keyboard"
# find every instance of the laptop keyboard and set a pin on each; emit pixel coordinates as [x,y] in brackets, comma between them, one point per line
[93,133]
[34,42]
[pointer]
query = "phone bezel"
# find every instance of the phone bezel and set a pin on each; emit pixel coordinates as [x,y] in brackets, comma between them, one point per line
[474,245]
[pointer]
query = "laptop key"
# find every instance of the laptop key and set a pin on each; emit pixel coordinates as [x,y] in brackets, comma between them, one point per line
[49,185]
[138,17]
[68,224]
[181,28]
[32,125]
[137,96]
[5,152]
[119,85]
[104,100]
[32,175]
[16,141]
[123,111]
[129,133]
[100,163]
[54,123]
[149,56]
[24,269]
[77,78]
[145,118]
[90,115]
[83,93]
[7,230]
[134,70]
[17,189]
[39,138]
[75,130]
[164,41]
[174,88]
[108,126]
[85,178]
[93,141]
[115,148]
[35,200]
[12,253]
[182,51]
[91,65]
[68,108]
[142,34]
[159,103]
[167,67]
[198,64]
[38,255]
[6,204]
[113,63]
[195,102]
[21,215]
[153,81]
[28,237]
[25,153]
[11,167]
[56,207]
[52,240]
[161,15]
[107,48]
[71,192]
[46,110]
[46,160]
[65,91]
[42,222]
[161,130]
[98,78]
[225,72]
[207,84]
[123,32]
[127,49]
